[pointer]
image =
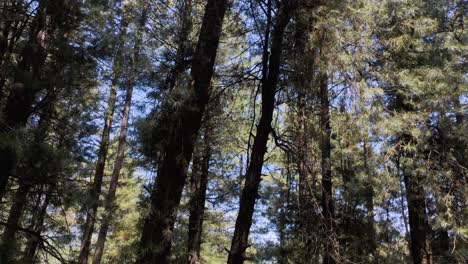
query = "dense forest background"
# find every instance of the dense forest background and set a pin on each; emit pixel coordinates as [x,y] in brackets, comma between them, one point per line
[233,131]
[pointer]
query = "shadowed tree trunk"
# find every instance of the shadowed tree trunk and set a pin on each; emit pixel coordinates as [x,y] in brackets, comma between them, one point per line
[419,227]
[33,171]
[306,198]
[198,186]
[252,179]
[369,202]
[303,81]
[155,243]
[8,243]
[327,192]
[420,231]
[8,8]
[283,215]
[183,44]
[19,102]
[109,204]
[33,242]
[91,205]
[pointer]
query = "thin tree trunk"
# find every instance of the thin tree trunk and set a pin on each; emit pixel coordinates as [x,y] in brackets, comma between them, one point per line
[8,244]
[33,242]
[402,200]
[183,44]
[306,196]
[155,243]
[283,220]
[327,192]
[110,198]
[5,27]
[198,186]
[92,205]
[372,242]
[252,181]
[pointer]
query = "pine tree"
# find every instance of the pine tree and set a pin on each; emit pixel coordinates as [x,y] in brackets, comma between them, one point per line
[253,176]
[156,239]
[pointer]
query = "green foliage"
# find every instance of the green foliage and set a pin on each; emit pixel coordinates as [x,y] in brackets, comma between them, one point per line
[397,89]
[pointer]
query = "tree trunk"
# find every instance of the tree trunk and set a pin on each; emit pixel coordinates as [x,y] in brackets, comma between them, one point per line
[252,182]
[110,198]
[5,28]
[183,44]
[19,102]
[369,202]
[327,192]
[33,242]
[12,25]
[419,226]
[198,186]
[303,83]
[8,244]
[28,174]
[283,216]
[420,230]
[155,243]
[305,186]
[91,206]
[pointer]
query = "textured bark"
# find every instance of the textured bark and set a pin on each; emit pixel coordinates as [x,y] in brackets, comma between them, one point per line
[303,82]
[155,243]
[419,226]
[109,204]
[198,186]
[327,192]
[92,205]
[252,179]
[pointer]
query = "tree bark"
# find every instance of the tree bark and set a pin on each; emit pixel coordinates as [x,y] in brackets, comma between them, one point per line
[198,186]
[91,206]
[249,194]
[110,198]
[303,82]
[419,226]
[155,243]
[327,192]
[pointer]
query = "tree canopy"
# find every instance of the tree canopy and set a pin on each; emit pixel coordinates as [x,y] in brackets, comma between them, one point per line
[233,131]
